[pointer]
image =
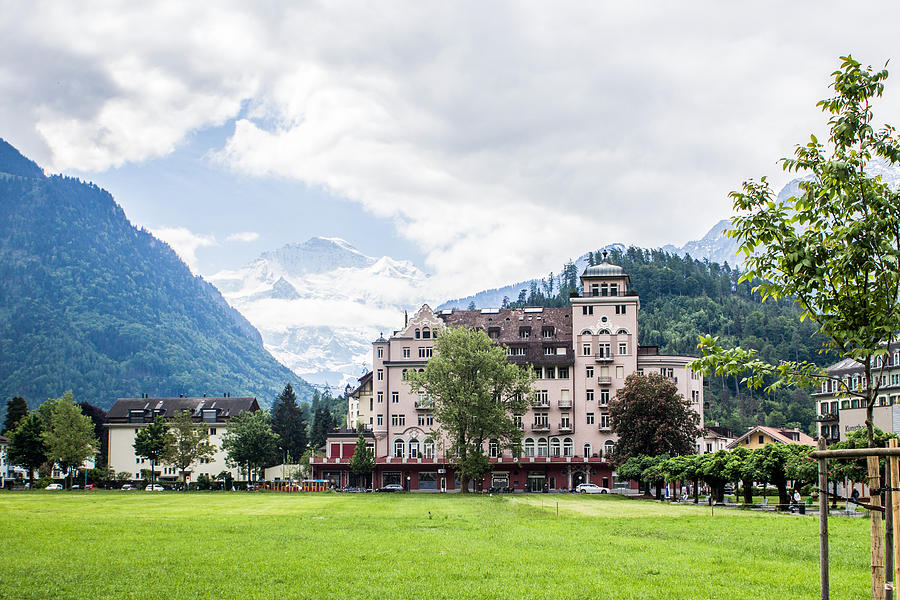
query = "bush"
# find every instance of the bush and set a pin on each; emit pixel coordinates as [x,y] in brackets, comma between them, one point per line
[203,481]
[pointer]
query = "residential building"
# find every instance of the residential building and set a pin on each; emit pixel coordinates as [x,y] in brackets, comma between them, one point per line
[6,469]
[714,438]
[840,413]
[581,353]
[128,415]
[759,436]
[360,408]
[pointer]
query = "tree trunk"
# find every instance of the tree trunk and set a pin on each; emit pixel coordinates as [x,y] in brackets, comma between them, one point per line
[463,484]
[748,491]
[696,491]
[658,491]
[782,496]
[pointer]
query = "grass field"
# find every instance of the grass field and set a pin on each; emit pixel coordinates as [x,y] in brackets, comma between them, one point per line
[238,545]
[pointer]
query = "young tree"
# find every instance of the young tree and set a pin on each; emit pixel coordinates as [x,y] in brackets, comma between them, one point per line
[250,441]
[189,442]
[476,392]
[15,410]
[739,467]
[684,468]
[362,463]
[288,422]
[153,442]
[650,417]
[834,248]
[770,464]
[70,438]
[712,471]
[26,444]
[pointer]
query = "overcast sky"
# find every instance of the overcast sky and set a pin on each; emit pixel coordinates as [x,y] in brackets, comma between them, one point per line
[486,141]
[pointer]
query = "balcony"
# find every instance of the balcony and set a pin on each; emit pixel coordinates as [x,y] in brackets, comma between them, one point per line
[424,405]
[827,417]
[540,427]
[603,427]
[604,380]
[565,403]
[540,403]
[565,428]
[603,358]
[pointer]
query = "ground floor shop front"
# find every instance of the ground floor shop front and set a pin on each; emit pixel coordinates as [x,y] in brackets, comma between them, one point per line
[439,476]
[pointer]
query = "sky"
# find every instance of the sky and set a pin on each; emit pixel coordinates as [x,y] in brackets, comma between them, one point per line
[487,142]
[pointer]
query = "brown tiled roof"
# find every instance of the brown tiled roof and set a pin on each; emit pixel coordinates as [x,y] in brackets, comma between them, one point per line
[504,326]
[779,435]
[227,407]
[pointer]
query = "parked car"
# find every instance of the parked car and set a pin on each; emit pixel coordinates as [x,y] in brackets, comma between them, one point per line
[90,486]
[76,487]
[391,487]
[590,488]
[154,488]
[127,487]
[54,486]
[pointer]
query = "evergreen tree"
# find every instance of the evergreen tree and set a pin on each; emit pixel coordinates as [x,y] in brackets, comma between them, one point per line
[289,423]
[322,423]
[15,410]
[26,444]
[98,418]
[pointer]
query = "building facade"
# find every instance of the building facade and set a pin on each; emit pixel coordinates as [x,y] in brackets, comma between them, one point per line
[581,355]
[839,413]
[128,415]
[759,436]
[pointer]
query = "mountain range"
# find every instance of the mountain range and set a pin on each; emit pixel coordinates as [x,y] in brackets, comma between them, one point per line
[92,304]
[320,304]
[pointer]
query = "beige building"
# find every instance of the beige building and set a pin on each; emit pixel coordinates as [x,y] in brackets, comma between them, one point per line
[759,436]
[128,415]
[840,413]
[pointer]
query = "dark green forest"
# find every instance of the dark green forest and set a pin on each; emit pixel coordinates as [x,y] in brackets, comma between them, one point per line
[89,303]
[681,298]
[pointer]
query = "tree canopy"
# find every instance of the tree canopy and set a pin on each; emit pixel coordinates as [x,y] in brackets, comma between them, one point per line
[289,423]
[650,417]
[475,392]
[189,442]
[154,443]
[250,442]
[833,248]
[15,410]
[69,437]
[26,444]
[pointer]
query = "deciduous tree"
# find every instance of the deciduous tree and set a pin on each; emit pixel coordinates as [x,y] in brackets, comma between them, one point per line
[153,442]
[189,443]
[250,442]
[26,444]
[476,392]
[650,417]
[70,438]
[362,463]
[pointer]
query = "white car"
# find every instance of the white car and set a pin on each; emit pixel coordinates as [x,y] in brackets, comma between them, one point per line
[54,486]
[154,488]
[591,488]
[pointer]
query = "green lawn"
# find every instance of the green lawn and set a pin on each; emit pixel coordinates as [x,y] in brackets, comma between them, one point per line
[255,545]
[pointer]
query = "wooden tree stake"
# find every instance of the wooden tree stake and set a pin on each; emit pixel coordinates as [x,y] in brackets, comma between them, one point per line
[873,464]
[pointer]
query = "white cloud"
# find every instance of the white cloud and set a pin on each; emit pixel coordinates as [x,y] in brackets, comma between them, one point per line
[501,138]
[243,236]
[184,242]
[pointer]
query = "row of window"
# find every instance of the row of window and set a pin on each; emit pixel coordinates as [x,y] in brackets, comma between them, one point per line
[413,449]
[555,447]
[423,420]
[603,349]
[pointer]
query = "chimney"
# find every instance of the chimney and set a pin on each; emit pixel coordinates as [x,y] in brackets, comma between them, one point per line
[405,318]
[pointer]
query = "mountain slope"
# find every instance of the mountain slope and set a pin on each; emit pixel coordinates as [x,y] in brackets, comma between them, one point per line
[320,304]
[90,303]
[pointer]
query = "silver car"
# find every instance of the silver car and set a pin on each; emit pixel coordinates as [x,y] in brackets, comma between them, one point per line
[590,488]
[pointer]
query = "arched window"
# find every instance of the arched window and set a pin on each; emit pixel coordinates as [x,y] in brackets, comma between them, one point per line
[608,448]
[586,450]
[586,332]
[414,448]
[399,445]
[568,447]
[426,333]
[403,374]
[603,332]
[493,449]
[421,370]
[542,447]
[429,449]
[622,332]
[529,447]
[418,333]
[554,447]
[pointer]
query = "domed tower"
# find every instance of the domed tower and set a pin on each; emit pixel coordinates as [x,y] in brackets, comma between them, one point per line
[604,321]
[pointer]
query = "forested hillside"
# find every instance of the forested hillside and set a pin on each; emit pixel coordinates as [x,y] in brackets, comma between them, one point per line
[90,303]
[682,298]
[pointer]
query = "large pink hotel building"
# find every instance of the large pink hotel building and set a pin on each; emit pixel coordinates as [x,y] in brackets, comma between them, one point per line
[581,354]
